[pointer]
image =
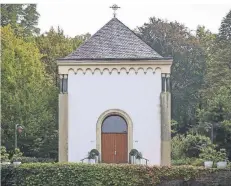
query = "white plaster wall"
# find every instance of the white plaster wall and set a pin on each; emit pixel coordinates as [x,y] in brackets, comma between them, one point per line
[137,94]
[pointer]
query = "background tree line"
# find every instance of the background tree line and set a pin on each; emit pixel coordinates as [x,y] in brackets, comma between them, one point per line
[29,80]
[201,78]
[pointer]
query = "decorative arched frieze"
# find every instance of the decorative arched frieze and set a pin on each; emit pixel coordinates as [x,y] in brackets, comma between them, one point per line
[157,69]
[114,69]
[71,70]
[131,71]
[97,70]
[149,69]
[163,65]
[79,71]
[140,70]
[89,71]
[105,71]
[123,70]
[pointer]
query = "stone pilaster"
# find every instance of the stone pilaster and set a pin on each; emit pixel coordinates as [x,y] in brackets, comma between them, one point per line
[165,99]
[63,127]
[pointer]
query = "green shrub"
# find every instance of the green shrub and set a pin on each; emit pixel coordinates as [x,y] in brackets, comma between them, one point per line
[17,155]
[221,155]
[56,174]
[189,146]
[197,162]
[35,160]
[210,154]
[185,161]
[8,177]
[4,155]
[193,144]
[178,147]
[188,161]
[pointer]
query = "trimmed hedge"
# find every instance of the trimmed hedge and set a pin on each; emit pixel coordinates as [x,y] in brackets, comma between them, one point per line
[56,174]
[25,159]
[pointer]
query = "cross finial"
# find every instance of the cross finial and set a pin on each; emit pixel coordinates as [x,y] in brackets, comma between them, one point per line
[114,7]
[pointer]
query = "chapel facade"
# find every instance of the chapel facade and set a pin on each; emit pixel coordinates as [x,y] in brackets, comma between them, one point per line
[115,97]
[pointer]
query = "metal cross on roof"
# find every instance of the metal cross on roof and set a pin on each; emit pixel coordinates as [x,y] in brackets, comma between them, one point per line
[114,7]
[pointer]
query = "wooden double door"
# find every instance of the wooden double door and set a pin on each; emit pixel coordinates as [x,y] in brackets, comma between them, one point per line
[114,140]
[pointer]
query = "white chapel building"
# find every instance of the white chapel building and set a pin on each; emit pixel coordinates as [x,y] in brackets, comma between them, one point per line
[115,97]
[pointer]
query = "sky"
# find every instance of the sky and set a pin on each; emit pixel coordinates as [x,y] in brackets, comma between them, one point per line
[85,16]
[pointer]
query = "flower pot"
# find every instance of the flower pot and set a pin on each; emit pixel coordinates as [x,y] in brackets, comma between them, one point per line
[208,164]
[91,161]
[16,163]
[221,164]
[5,163]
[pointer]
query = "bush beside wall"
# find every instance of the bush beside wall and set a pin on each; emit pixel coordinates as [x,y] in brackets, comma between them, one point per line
[24,159]
[40,174]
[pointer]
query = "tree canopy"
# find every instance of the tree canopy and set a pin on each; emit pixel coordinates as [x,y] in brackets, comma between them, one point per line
[174,39]
[24,16]
[28,96]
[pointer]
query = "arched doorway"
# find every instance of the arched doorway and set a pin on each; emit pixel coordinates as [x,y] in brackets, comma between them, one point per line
[114,139]
[102,117]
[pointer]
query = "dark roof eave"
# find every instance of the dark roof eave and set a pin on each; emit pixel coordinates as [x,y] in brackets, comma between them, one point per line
[112,59]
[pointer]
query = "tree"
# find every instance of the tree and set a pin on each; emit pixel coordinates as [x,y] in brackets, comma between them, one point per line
[174,39]
[225,29]
[219,68]
[30,20]
[28,97]
[23,16]
[214,113]
[10,14]
[54,44]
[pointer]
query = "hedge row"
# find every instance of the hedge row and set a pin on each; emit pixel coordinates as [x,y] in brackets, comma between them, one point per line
[24,159]
[40,174]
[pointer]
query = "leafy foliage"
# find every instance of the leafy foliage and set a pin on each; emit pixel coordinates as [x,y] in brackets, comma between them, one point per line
[28,97]
[24,159]
[188,161]
[214,118]
[193,144]
[23,16]
[189,146]
[54,44]
[210,154]
[174,39]
[17,155]
[4,155]
[98,174]
[177,147]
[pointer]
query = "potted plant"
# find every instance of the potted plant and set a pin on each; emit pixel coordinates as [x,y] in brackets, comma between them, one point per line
[16,158]
[92,155]
[132,155]
[139,156]
[221,159]
[207,155]
[4,156]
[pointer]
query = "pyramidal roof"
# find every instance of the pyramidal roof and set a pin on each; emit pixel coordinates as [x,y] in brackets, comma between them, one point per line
[112,42]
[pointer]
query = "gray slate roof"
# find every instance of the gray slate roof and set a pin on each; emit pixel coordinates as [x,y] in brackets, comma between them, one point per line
[114,41]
